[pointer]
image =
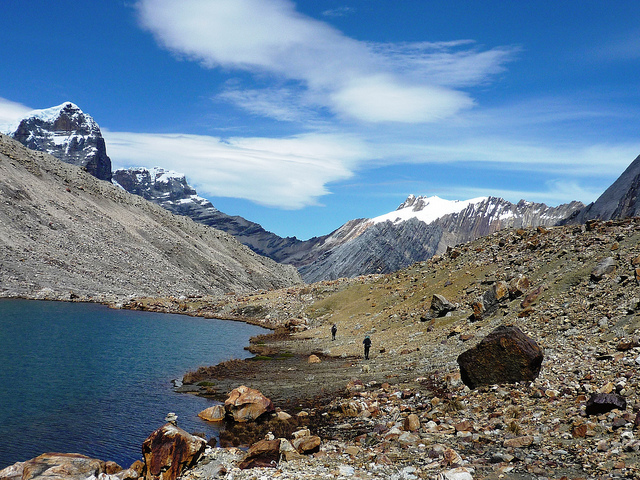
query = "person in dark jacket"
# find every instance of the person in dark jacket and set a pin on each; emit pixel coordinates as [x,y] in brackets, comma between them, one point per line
[367,346]
[334,330]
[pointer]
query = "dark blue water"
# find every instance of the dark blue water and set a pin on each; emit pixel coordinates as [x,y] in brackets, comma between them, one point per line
[87,379]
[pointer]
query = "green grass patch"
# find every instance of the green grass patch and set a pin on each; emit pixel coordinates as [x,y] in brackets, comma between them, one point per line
[260,357]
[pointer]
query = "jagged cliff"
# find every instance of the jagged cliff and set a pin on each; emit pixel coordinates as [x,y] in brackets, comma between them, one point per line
[65,234]
[620,200]
[69,135]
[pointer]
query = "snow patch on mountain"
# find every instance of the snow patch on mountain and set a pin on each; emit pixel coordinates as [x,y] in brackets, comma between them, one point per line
[426,209]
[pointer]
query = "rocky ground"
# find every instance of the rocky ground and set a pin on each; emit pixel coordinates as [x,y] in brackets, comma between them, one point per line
[405,413]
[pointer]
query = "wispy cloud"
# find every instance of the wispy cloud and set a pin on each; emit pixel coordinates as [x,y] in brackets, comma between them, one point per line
[271,37]
[338,12]
[288,173]
[10,114]
[283,104]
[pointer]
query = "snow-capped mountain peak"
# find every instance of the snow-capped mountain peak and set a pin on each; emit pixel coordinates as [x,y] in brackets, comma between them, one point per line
[426,209]
[68,134]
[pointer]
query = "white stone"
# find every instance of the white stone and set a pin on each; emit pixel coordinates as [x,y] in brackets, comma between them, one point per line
[346,470]
[459,473]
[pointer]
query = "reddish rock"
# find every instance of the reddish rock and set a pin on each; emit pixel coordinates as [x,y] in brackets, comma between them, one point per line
[579,431]
[215,413]
[71,466]
[411,423]
[264,453]
[506,355]
[307,444]
[518,442]
[478,310]
[246,404]
[531,297]
[169,451]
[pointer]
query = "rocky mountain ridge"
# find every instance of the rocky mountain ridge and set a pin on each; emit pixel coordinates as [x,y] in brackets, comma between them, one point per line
[361,246]
[383,245]
[64,234]
[171,191]
[69,134]
[620,200]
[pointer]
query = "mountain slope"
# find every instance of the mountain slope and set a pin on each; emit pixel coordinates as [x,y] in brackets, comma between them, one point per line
[69,135]
[170,190]
[620,200]
[417,230]
[66,234]
[398,239]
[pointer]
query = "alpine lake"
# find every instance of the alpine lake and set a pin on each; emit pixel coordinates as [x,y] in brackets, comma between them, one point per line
[84,378]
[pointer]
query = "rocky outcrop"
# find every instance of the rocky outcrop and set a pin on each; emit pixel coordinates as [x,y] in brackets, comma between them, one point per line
[247,404]
[53,466]
[69,135]
[506,355]
[64,234]
[620,200]
[440,306]
[169,451]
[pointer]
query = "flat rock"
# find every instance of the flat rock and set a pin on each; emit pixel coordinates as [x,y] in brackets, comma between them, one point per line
[604,402]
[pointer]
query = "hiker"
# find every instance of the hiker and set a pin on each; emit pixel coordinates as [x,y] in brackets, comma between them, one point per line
[334,330]
[367,346]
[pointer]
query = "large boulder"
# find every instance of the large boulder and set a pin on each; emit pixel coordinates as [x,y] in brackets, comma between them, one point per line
[169,451]
[440,306]
[506,355]
[215,413]
[55,466]
[246,404]
[265,453]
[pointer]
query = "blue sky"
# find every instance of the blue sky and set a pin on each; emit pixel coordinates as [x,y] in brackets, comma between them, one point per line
[303,115]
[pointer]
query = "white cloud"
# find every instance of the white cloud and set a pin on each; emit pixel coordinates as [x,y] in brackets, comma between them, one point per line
[380,98]
[10,114]
[270,36]
[457,63]
[288,173]
[577,160]
[282,104]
